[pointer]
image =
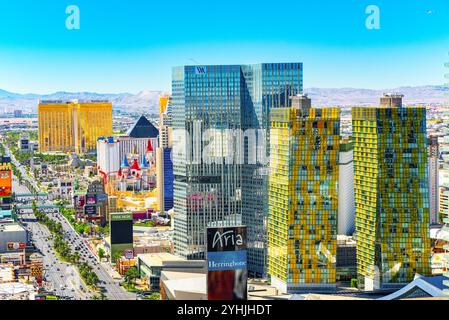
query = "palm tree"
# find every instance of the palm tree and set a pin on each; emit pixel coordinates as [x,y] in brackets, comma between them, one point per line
[76,257]
[100,253]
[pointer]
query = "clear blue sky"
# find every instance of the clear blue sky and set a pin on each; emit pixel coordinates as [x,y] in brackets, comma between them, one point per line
[129,46]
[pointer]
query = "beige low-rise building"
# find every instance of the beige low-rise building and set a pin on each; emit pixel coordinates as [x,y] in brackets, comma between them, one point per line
[183,286]
[151,265]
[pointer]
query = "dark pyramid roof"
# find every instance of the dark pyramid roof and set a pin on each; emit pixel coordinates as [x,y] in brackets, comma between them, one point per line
[143,129]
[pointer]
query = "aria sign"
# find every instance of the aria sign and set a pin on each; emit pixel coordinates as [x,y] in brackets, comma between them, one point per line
[226,240]
[227,263]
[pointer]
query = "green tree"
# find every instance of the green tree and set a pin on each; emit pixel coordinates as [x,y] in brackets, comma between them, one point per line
[131,275]
[101,296]
[116,256]
[34,206]
[79,228]
[155,296]
[101,253]
[76,257]
[86,229]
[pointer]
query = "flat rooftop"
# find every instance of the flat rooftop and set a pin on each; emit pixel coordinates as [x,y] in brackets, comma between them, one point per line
[74,101]
[183,284]
[5,213]
[158,259]
[11,227]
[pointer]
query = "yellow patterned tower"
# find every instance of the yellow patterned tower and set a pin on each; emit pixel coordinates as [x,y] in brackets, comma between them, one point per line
[303,197]
[73,126]
[391,193]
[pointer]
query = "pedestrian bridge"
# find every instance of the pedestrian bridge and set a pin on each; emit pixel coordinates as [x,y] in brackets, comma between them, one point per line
[30,195]
[27,209]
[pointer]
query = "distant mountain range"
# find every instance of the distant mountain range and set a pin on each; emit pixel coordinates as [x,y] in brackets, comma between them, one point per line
[144,101]
[147,101]
[345,97]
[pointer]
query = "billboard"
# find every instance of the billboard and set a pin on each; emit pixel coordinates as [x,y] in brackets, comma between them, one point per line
[226,263]
[5,181]
[36,270]
[102,199]
[90,210]
[23,271]
[91,199]
[36,258]
[80,200]
[14,246]
[14,258]
[121,216]
[121,233]
[129,254]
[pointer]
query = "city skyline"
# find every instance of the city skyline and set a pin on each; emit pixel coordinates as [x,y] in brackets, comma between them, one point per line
[123,49]
[224,151]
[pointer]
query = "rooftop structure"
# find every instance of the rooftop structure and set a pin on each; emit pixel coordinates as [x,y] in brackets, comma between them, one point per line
[391,100]
[422,287]
[143,128]
[141,140]
[153,264]
[183,286]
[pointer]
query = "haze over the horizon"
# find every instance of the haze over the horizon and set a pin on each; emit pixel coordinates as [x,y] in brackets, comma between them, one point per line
[144,91]
[121,48]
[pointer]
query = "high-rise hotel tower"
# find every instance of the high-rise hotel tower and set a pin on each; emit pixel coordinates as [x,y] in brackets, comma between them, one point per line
[164,163]
[73,126]
[220,150]
[303,197]
[391,193]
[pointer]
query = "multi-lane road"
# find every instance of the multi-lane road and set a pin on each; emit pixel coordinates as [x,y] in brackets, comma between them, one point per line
[111,287]
[64,278]
[60,278]
[20,168]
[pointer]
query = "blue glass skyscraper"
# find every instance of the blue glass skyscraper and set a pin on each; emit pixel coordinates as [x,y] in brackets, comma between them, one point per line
[220,156]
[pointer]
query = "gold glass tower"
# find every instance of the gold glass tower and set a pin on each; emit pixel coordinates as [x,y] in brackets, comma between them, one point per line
[73,126]
[391,193]
[303,197]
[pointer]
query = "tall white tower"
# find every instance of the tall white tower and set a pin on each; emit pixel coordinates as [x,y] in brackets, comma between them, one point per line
[434,180]
[346,202]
